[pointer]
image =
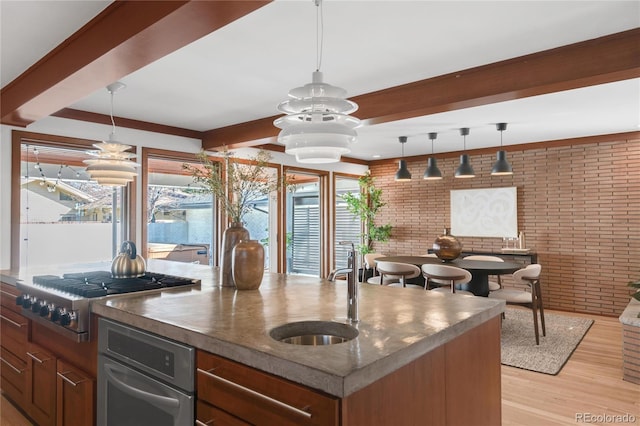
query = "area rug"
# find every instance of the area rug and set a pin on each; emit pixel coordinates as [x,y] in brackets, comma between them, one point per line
[519,348]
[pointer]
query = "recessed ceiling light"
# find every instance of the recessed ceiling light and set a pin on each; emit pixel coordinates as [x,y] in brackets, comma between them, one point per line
[376,156]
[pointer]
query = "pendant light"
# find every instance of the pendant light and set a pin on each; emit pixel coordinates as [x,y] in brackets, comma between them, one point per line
[432,171]
[403,174]
[501,166]
[112,167]
[317,127]
[465,170]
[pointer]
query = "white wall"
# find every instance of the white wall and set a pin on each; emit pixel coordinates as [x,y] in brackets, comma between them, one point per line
[138,138]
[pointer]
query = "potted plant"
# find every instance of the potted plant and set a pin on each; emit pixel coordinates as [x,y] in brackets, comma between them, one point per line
[366,205]
[236,186]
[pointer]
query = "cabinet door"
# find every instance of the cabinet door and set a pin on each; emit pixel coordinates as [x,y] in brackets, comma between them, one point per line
[75,396]
[260,398]
[209,415]
[41,386]
[13,373]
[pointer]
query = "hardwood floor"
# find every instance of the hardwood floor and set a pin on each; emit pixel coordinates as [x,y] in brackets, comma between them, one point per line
[590,384]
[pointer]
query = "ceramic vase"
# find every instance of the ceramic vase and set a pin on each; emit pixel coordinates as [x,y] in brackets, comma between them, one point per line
[248,265]
[230,238]
[447,247]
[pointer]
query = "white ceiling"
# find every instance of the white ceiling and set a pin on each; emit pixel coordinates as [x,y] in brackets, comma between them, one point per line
[242,71]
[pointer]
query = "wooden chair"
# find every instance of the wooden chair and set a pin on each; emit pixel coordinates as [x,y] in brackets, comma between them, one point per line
[398,271]
[493,285]
[530,297]
[451,275]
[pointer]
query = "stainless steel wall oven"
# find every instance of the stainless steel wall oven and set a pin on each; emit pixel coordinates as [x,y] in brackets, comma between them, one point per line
[143,379]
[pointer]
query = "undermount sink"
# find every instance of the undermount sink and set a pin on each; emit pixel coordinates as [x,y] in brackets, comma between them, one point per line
[314,333]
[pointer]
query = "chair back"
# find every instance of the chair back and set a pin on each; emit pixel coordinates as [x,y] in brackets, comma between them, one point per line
[484,257]
[397,269]
[437,272]
[525,275]
[370,260]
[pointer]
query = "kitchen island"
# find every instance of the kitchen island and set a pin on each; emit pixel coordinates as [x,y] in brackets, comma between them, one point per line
[419,358]
[412,339]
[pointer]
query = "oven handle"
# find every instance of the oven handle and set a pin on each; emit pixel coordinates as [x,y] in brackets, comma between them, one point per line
[171,403]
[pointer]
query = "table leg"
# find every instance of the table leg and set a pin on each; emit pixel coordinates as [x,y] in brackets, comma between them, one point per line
[479,284]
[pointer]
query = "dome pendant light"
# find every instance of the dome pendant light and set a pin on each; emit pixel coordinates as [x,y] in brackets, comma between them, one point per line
[501,166]
[317,127]
[465,170]
[403,174]
[432,171]
[112,167]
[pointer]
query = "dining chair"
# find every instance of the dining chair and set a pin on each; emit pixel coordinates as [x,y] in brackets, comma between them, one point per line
[530,297]
[394,271]
[370,261]
[452,275]
[493,285]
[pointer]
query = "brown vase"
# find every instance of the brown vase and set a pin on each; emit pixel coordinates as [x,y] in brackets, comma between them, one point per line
[230,237]
[248,265]
[446,246]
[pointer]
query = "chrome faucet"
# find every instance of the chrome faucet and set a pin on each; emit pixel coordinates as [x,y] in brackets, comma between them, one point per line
[352,282]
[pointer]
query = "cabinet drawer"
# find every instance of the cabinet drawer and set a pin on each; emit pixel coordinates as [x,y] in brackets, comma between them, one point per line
[14,329]
[13,371]
[209,415]
[8,295]
[261,398]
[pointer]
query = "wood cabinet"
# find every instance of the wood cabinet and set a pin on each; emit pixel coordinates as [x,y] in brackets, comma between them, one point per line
[252,396]
[49,377]
[41,385]
[15,332]
[75,396]
[453,384]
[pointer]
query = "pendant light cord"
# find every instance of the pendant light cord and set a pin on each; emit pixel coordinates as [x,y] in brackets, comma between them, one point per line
[319,34]
[113,123]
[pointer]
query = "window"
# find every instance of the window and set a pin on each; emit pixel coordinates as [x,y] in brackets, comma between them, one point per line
[304,224]
[63,216]
[179,219]
[347,226]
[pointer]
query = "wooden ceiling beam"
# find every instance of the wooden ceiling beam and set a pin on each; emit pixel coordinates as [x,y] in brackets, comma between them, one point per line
[603,60]
[123,38]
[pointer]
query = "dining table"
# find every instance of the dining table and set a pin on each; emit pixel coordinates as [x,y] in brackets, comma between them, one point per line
[480,269]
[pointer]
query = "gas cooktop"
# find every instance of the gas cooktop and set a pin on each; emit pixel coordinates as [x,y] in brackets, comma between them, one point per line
[100,283]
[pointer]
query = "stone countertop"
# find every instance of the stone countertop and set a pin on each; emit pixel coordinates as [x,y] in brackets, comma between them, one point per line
[396,325]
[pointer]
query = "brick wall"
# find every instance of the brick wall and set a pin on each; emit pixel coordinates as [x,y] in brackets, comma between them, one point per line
[578,205]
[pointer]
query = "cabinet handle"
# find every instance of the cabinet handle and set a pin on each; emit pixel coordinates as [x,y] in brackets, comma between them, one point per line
[35,358]
[68,380]
[16,369]
[256,394]
[199,423]
[10,321]
[7,293]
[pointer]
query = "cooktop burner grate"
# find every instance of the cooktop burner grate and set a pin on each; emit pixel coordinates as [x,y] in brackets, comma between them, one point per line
[100,283]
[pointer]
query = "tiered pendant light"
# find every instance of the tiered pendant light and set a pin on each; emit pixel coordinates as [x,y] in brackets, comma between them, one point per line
[501,166]
[464,170]
[317,127]
[403,174]
[112,167]
[432,171]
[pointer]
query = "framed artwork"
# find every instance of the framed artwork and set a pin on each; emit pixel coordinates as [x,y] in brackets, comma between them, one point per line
[490,212]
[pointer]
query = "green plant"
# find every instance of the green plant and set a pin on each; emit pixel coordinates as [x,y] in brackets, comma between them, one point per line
[366,205]
[240,185]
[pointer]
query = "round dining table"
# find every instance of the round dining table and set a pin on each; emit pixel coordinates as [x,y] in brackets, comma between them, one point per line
[480,269]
